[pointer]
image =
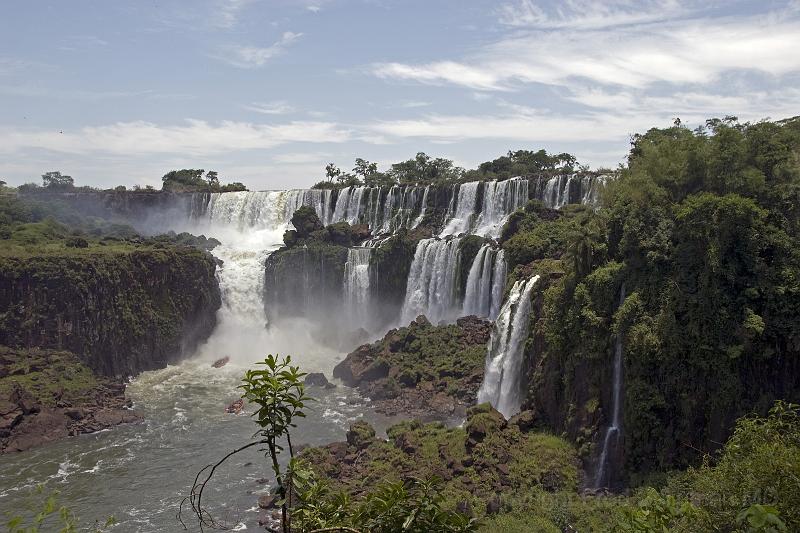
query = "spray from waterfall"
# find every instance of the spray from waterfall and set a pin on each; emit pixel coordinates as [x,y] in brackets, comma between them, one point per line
[611,441]
[502,381]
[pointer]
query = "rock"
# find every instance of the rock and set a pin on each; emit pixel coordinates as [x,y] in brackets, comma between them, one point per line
[360,435]
[465,508]
[75,414]
[318,379]
[359,366]
[219,363]
[494,505]
[306,221]
[524,420]
[268,501]
[483,420]
[442,403]
[290,238]
[422,321]
[360,232]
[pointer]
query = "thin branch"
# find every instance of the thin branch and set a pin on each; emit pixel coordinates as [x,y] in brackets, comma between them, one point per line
[195,496]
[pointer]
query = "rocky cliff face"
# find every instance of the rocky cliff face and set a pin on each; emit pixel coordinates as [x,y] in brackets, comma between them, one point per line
[122,312]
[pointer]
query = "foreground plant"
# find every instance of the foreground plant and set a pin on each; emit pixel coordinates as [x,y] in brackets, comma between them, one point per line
[279,393]
[307,505]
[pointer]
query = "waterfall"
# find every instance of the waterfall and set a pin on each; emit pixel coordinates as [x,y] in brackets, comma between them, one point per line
[614,430]
[500,199]
[462,209]
[431,289]
[356,286]
[485,283]
[502,385]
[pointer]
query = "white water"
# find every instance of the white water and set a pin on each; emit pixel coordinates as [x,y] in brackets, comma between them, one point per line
[356,287]
[500,199]
[614,430]
[462,210]
[502,385]
[431,289]
[485,283]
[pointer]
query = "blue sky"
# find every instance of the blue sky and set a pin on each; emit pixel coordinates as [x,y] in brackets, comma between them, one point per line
[268,91]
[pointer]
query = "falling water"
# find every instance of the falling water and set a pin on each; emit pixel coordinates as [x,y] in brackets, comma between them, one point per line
[431,288]
[462,209]
[502,385]
[500,199]
[485,283]
[614,430]
[356,286]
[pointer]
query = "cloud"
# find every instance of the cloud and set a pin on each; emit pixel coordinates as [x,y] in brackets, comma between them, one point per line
[278,107]
[228,14]
[254,57]
[196,137]
[583,14]
[625,48]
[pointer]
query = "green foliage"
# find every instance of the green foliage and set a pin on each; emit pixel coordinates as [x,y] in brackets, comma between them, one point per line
[524,163]
[197,180]
[423,169]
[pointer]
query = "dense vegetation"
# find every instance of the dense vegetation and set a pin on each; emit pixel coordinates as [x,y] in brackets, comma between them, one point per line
[423,169]
[703,229]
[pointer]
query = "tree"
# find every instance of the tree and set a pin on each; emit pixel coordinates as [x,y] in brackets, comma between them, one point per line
[212,177]
[56,180]
[368,172]
[332,171]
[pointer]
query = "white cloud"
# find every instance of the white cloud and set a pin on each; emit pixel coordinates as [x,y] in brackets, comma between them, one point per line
[278,107]
[228,14]
[253,56]
[638,54]
[196,137]
[585,14]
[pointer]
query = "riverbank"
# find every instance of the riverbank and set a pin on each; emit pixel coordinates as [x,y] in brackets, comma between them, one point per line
[47,395]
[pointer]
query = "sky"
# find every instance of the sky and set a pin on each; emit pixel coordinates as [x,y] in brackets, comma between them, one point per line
[268,91]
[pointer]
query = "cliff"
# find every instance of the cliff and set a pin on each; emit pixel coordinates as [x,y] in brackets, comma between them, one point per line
[122,309]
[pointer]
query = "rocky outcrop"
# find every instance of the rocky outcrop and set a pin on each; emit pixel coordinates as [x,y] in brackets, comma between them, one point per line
[481,464]
[121,310]
[47,395]
[421,370]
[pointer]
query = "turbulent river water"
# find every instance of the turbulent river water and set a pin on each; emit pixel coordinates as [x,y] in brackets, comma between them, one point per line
[139,473]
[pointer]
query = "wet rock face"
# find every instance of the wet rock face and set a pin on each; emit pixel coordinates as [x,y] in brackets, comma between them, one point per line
[122,313]
[306,221]
[421,370]
[318,379]
[49,395]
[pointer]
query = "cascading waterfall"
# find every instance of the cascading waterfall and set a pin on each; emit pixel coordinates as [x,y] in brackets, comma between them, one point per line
[431,289]
[485,283]
[356,285]
[500,199]
[462,209]
[611,440]
[502,385]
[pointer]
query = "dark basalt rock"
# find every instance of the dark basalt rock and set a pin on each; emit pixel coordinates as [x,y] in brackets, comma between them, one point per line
[318,379]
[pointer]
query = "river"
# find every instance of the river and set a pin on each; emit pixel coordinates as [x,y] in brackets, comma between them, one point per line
[139,473]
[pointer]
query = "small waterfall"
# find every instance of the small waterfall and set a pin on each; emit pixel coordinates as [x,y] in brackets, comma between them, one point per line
[431,289]
[462,209]
[500,199]
[614,430]
[485,283]
[356,286]
[422,210]
[502,385]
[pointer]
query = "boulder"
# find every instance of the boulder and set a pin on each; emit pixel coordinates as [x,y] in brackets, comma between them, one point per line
[306,221]
[318,379]
[483,420]
[360,435]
